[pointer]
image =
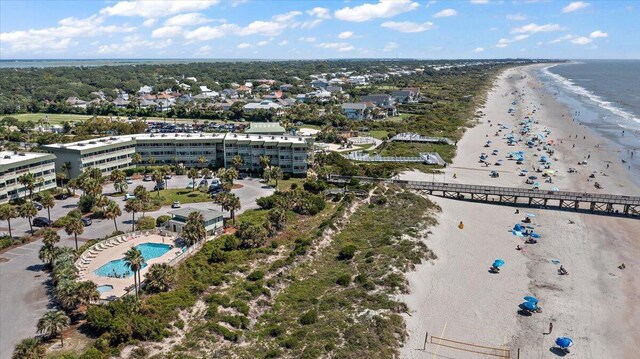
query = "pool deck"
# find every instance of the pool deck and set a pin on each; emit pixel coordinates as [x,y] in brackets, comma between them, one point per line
[90,263]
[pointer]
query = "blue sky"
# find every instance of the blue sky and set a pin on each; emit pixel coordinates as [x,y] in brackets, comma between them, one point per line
[319,29]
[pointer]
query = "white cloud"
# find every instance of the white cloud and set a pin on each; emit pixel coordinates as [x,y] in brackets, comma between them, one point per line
[382,9]
[210,32]
[582,40]
[516,17]
[535,28]
[287,16]
[264,28]
[263,43]
[562,38]
[61,37]
[149,22]
[204,49]
[319,12]
[479,1]
[167,31]
[190,19]
[446,13]
[345,35]
[133,43]
[520,37]
[346,48]
[307,39]
[596,34]
[310,24]
[244,45]
[283,43]
[505,42]
[574,6]
[389,46]
[156,8]
[407,26]
[333,45]
[478,49]
[235,3]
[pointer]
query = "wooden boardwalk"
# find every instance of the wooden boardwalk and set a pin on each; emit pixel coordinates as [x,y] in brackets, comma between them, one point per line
[590,202]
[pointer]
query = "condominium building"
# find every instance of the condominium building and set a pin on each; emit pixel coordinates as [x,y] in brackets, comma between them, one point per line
[14,164]
[217,149]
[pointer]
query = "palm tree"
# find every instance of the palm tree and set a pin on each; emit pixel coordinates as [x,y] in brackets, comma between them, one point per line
[159,278]
[206,172]
[142,195]
[28,180]
[237,162]
[159,179]
[74,226]
[66,167]
[193,175]
[29,348]
[7,213]
[151,160]
[133,206]
[48,202]
[52,322]
[118,178]
[87,292]
[136,159]
[47,254]
[201,161]
[134,260]
[232,204]
[113,211]
[28,210]
[194,231]
[265,161]
[276,173]
[267,175]
[73,184]
[60,177]
[50,237]
[120,186]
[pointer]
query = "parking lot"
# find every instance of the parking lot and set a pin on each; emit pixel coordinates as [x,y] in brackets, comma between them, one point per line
[23,292]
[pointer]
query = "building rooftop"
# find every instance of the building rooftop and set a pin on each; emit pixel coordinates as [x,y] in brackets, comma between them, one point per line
[207,214]
[10,157]
[265,128]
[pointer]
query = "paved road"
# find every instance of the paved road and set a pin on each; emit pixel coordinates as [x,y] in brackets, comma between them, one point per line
[23,286]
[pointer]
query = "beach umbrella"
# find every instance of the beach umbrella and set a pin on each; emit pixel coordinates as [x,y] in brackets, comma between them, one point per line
[564,342]
[531,299]
[528,305]
[517,227]
[536,183]
[498,263]
[535,235]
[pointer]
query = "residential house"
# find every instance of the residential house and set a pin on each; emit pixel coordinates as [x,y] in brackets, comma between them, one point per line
[406,95]
[213,220]
[334,89]
[273,96]
[120,102]
[263,105]
[383,101]
[286,102]
[357,80]
[145,90]
[263,88]
[286,87]
[356,111]
[244,90]
[229,93]
[208,92]
[76,102]
[320,83]
[265,128]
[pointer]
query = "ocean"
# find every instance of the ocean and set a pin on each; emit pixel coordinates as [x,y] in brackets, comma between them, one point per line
[603,95]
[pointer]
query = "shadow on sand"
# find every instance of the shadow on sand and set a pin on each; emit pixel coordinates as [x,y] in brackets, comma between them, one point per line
[558,351]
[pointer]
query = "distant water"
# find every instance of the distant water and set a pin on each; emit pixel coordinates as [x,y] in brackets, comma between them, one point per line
[604,96]
[104,62]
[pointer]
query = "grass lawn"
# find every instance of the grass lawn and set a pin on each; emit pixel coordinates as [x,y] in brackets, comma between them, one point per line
[313,127]
[379,134]
[168,196]
[284,185]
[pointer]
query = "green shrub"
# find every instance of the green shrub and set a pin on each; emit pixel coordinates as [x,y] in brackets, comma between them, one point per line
[162,220]
[230,243]
[344,280]
[218,256]
[240,306]
[236,321]
[309,317]
[61,222]
[254,276]
[145,223]
[5,242]
[86,203]
[99,318]
[93,353]
[347,252]
[226,333]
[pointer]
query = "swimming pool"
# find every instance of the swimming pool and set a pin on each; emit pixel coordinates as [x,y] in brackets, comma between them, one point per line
[118,267]
[104,288]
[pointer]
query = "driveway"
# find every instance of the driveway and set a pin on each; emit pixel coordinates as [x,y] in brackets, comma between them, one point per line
[23,295]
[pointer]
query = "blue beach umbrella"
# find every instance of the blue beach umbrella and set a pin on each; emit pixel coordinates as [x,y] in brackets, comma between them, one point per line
[531,299]
[498,263]
[564,342]
[535,235]
[528,306]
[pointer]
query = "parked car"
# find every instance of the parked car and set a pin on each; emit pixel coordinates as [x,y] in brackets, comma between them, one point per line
[128,180]
[209,176]
[175,204]
[203,183]
[158,186]
[38,206]
[190,184]
[215,191]
[147,178]
[42,222]
[129,196]
[61,196]
[86,221]
[167,176]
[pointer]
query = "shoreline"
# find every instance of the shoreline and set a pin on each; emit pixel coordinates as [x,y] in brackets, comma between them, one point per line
[456,298]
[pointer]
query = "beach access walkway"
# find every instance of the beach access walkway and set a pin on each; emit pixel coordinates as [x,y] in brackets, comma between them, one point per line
[414,137]
[588,202]
[430,158]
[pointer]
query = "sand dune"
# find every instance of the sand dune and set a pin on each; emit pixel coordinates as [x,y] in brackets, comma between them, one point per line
[455,297]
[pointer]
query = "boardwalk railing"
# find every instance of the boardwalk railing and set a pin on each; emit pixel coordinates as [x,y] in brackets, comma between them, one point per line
[431,158]
[414,137]
[594,202]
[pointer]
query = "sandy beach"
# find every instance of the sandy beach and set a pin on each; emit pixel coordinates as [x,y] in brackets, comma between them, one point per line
[455,297]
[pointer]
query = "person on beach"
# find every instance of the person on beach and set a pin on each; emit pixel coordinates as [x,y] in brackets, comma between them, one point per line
[550,328]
